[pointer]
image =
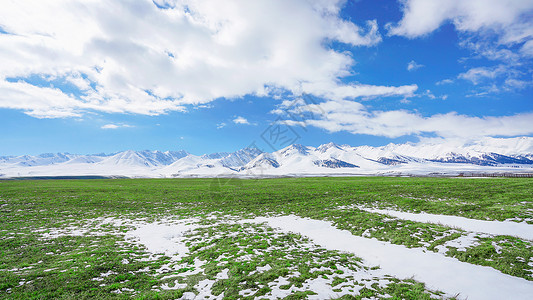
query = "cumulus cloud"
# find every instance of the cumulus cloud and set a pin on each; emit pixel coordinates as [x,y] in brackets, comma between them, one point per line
[510,17]
[152,57]
[241,120]
[221,125]
[355,118]
[412,66]
[40,102]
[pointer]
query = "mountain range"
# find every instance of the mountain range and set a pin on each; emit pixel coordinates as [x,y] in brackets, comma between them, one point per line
[487,155]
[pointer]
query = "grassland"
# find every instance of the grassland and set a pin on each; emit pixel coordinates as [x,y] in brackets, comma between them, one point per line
[54,243]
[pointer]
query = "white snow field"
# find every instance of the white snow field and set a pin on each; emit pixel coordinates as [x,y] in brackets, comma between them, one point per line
[437,271]
[521,230]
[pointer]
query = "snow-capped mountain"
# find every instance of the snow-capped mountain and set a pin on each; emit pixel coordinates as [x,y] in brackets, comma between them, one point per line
[144,158]
[487,155]
[240,158]
[38,160]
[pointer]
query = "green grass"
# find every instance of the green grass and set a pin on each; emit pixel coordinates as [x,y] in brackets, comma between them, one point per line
[33,267]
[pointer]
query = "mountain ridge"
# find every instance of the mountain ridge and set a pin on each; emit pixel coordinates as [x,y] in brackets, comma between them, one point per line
[491,154]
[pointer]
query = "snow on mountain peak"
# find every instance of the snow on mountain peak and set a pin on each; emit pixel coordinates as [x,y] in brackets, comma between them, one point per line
[325,147]
[240,158]
[295,149]
[509,154]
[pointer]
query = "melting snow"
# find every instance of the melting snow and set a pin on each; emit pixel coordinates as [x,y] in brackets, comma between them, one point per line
[437,271]
[521,230]
[461,243]
[163,238]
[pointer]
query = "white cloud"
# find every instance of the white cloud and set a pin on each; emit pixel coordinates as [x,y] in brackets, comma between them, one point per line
[508,17]
[499,30]
[475,75]
[355,118]
[133,57]
[110,126]
[333,91]
[527,49]
[241,120]
[514,84]
[479,74]
[444,81]
[38,102]
[429,94]
[115,126]
[412,66]
[221,125]
[510,78]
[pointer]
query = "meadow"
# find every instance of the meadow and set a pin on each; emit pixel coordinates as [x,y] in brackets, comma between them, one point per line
[186,238]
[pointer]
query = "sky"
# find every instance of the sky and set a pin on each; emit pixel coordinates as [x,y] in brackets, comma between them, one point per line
[211,76]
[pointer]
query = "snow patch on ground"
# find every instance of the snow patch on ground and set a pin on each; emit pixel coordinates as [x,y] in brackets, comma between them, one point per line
[163,237]
[223,274]
[90,227]
[103,275]
[520,230]
[461,243]
[437,271]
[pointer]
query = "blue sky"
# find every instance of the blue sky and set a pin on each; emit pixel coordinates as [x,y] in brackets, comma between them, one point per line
[210,77]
